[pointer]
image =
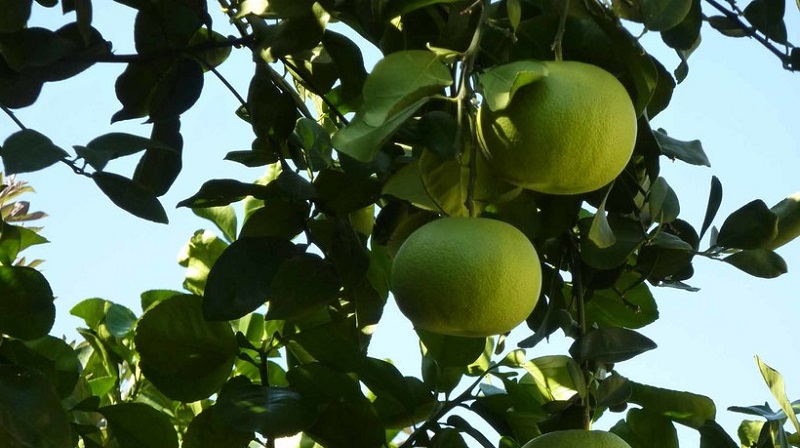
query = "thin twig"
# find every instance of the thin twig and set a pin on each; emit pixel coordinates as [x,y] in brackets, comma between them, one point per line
[13,117]
[562,25]
[168,52]
[751,32]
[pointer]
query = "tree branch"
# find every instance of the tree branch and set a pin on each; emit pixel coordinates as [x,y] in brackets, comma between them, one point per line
[170,52]
[751,32]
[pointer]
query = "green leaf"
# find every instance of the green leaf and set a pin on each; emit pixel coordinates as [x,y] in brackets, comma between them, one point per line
[689,409]
[752,226]
[610,345]
[213,57]
[185,356]
[224,217]
[198,256]
[406,184]
[362,141]
[27,151]
[451,351]
[154,296]
[399,80]
[349,63]
[30,410]
[774,381]
[661,15]
[767,17]
[51,356]
[613,390]
[130,196]
[340,192]
[10,243]
[105,148]
[761,263]
[685,35]
[401,7]
[158,169]
[26,303]
[664,205]
[219,192]
[15,15]
[557,377]
[241,279]
[500,83]
[788,212]
[714,201]
[34,48]
[161,88]
[127,421]
[727,26]
[273,113]
[600,233]
[628,234]
[302,284]
[209,430]
[616,307]
[644,429]
[316,142]
[712,435]
[270,411]
[690,152]
[277,218]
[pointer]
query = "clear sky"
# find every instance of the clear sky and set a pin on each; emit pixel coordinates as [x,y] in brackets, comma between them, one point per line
[737,100]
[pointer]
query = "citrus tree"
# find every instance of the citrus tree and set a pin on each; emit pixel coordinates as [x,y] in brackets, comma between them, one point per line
[496,169]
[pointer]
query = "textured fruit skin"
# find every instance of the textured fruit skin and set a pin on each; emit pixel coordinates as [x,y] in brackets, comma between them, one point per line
[577,438]
[571,132]
[471,277]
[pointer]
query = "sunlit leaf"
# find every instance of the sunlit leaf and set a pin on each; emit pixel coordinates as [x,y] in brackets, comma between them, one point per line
[500,83]
[774,381]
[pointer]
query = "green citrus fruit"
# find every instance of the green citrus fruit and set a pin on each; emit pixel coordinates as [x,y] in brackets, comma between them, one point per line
[577,438]
[570,132]
[471,277]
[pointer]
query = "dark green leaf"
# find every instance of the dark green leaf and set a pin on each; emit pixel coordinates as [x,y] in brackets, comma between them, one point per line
[170,25]
[302,284]
[209,430]
[628,234]
[277,218]
[105,148]
[161,88]
[316,142]
[241,279]
[273,113]
[610,345]
[158,169]
[127,420]
[26,303]
[49,355]
[213,57]
[186,357]
[224,217]
[218,192]
[15,15]
[154,296]
[252,158]
[33,48]
[614,390]
[339,192]
[752,226]
[27,151]
[349,63]
[714,201]
[119,320]
[664,205]
[690,409]
[644,429]
[130,196]
[690,152]
[727,26]
[270,411]
[761,263]
[615,307]
[767,17]
[712,435]
[30,410]
[292,35]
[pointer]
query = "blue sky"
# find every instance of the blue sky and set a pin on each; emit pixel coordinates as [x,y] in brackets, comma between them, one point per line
[737,100]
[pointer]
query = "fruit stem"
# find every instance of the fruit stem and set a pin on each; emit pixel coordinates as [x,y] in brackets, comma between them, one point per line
[578,294]
[466,94]
[562,24]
